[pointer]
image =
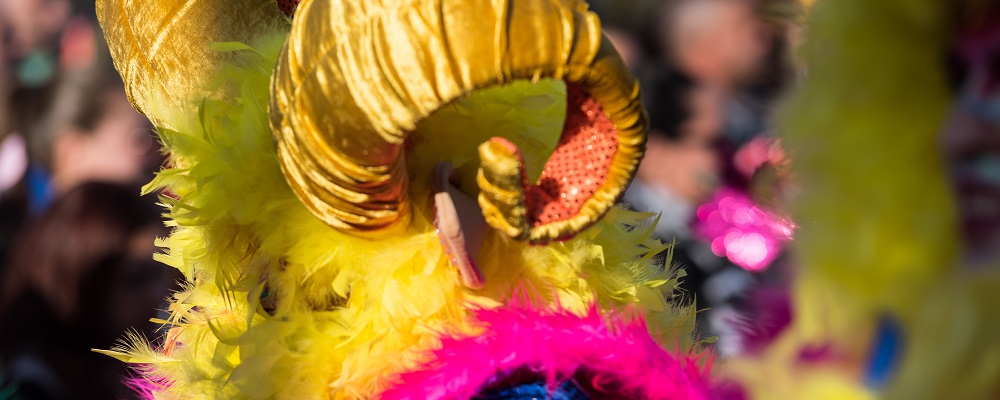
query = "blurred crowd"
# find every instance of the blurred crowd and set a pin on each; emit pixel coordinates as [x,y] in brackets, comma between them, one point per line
[712,72]
[76,238]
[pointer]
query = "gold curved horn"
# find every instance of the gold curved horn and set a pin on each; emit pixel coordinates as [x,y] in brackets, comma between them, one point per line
[342,106]
[162,47]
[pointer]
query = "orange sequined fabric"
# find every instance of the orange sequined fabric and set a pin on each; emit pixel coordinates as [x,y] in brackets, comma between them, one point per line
[288,6]
[579,165]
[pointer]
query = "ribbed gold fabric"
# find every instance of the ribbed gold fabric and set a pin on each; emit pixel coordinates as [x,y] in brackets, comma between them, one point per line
[162,47]
[357,76]
[503,198]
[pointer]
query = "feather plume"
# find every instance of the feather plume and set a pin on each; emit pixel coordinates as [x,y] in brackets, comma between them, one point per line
[615,356]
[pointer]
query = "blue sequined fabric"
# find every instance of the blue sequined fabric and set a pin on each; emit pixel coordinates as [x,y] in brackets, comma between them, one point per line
[535,391]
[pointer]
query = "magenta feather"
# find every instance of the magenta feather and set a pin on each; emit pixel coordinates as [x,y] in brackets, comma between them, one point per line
[556,345]
[145,385]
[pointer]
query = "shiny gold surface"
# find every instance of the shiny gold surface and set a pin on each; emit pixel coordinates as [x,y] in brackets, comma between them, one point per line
[357,76]
[163,48]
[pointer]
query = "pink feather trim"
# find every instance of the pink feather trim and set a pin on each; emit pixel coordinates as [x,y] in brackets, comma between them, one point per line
[619,358]
[146,385]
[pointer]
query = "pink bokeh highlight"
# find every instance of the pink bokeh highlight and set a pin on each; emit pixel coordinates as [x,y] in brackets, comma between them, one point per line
[741,231]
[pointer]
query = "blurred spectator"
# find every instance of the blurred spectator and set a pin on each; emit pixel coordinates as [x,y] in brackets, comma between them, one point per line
[31,24]
[81,275]
[716,42]
[680,172]
[970,140]
[77,275]
[725,45]
[83,129]
[29,32]
[711,71]
[64,117]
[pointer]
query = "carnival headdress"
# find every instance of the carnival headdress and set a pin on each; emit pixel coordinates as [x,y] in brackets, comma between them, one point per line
[350,182]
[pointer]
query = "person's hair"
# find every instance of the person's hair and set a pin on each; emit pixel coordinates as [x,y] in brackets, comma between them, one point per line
[65,258]
[665,95]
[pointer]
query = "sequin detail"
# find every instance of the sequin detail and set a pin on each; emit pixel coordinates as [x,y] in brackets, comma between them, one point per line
[580,163]
[288,6]
[534,391]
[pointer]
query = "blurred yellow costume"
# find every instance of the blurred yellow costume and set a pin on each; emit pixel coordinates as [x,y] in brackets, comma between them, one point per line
[878,234]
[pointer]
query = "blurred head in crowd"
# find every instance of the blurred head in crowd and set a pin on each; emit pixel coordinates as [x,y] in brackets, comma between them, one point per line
[60,109]
[687,161]
[60,88]
[30,24]
[82,128]
[720,42]
[80,276]
[971,136]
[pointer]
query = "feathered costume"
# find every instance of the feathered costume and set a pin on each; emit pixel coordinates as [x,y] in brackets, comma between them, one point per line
[882,307]
[522,350]
[327,172]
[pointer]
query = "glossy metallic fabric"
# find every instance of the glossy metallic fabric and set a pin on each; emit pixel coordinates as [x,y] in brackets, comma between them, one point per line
[357,76]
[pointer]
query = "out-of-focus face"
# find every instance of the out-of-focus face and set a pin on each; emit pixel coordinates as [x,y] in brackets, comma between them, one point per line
[721,42]
[746,42]
[117,150]
[971,141]
[31,23]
